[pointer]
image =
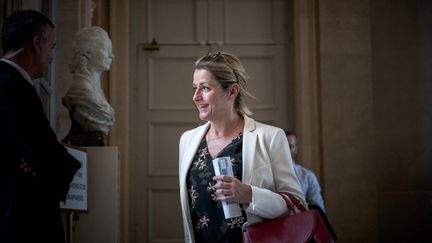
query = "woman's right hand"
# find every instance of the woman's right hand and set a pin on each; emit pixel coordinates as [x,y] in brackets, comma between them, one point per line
[229,188]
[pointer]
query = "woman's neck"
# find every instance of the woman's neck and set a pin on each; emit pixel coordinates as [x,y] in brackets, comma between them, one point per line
[226,127]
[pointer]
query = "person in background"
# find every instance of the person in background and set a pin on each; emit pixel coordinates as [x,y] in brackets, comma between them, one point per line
[35,169]
[262,165]
[308,181]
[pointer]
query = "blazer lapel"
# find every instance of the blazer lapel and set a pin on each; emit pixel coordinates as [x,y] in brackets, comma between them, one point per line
[249,143]
[194,143]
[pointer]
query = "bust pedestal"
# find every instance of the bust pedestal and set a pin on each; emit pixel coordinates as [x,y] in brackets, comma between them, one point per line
[79,137]
[102,221]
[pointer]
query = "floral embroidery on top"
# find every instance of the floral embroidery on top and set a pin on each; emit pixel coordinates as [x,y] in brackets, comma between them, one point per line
[236,222]
[206,211]
[200,163]
[211,189]
[203,222]
[193,195]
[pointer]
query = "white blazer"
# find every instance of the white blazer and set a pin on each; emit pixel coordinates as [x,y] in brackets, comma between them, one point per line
[267,167]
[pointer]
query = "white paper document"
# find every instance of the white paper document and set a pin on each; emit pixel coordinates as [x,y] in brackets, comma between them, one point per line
[222,166]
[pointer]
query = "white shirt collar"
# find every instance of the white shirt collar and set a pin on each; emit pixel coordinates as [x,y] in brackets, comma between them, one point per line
[20,69]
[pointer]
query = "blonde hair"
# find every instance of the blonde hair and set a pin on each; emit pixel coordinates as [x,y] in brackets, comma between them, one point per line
[227,69]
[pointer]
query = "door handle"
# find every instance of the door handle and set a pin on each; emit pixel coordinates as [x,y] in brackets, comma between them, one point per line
[152,46]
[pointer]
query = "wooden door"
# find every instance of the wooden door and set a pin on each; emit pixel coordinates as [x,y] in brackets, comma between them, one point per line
[162,107]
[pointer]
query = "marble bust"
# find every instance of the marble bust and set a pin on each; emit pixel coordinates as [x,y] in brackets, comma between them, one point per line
[91,115]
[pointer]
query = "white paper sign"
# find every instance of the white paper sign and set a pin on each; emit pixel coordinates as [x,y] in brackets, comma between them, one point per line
[77,196]
[223,166]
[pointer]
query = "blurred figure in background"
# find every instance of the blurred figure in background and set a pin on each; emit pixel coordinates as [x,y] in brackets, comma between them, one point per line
[308,181]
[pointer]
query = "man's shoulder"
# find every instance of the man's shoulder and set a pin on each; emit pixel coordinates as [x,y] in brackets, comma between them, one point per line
[304,170]
[6,66]
[8,72]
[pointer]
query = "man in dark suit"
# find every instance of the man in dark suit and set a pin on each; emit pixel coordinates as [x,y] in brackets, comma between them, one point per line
[35,170]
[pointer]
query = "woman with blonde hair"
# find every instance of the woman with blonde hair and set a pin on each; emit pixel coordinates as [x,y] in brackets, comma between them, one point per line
[261,164]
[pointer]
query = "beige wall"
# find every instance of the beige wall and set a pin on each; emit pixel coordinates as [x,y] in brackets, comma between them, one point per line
[402,91]
[375,85]
[345,66]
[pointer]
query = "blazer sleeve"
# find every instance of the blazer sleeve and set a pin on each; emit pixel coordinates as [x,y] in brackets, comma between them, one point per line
[266,202]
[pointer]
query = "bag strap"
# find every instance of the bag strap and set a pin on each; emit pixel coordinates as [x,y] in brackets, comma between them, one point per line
[292,201]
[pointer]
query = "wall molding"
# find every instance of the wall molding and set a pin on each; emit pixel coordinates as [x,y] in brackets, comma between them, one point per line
[307,84]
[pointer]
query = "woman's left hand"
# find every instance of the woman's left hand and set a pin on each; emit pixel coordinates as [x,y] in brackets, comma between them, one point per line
[229,188]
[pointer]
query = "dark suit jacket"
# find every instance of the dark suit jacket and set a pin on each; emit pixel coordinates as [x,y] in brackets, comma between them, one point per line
[29,204]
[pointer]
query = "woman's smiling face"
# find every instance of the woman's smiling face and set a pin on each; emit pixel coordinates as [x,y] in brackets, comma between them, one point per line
[211,100]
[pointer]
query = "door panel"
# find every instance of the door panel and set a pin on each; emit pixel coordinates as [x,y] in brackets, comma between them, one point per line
[253,18]
[163,215]
[162,109]
[161,91]
[175,22]
[265,66]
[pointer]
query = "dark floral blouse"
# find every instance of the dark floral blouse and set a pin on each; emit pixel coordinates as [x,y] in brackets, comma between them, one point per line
[208,218]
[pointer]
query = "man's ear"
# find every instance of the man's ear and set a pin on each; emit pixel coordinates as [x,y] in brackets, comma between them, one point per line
[37,42]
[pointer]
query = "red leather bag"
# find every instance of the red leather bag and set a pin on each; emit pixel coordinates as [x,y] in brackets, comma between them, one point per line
[300,227]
